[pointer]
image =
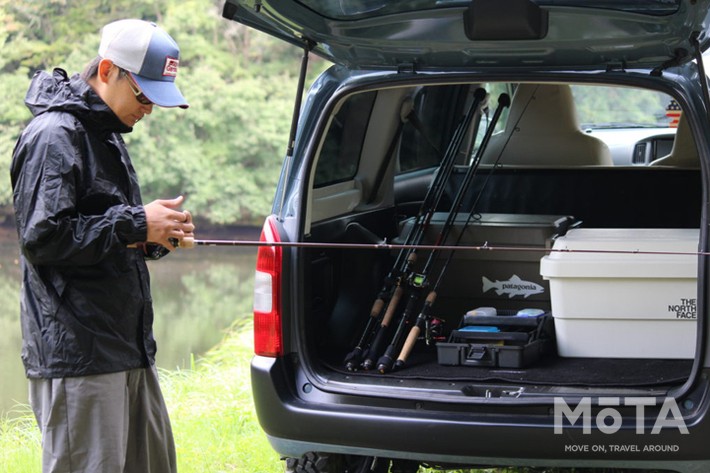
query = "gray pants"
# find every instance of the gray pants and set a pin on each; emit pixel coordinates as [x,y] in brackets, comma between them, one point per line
[110,423]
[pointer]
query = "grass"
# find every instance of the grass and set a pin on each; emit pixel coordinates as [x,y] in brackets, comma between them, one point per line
[212,414]
[211,410]
[19,442]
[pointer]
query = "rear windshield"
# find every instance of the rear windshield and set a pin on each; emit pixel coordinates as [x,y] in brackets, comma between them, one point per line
[357,9]
[627,126]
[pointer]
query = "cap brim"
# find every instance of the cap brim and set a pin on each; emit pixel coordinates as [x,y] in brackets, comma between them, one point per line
[161,93]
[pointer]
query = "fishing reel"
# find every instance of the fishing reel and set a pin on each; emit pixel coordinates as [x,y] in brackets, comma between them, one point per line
[434,330]
[417,280]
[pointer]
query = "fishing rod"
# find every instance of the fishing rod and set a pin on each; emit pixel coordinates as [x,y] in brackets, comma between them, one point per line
[190,243]
[425,314]
[503,102]
[419,281]
[389,296]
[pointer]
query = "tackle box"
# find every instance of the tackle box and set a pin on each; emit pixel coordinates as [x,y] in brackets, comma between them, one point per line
[505,340]
[497,277]
[624,293]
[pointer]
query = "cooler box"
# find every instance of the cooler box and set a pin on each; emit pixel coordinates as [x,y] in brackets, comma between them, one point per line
[505,279]
[624,304]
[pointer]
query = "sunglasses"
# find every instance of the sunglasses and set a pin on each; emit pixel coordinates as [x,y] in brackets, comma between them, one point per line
[140,96]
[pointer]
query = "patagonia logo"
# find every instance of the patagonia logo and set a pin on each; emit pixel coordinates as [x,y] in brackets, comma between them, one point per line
[512,287]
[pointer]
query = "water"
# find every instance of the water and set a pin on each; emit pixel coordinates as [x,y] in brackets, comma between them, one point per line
[197,294]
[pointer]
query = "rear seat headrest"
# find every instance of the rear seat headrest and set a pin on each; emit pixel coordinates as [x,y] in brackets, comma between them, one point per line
[542,129]
[683,154]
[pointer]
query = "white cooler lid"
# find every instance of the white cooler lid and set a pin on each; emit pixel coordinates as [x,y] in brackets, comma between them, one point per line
[640,253]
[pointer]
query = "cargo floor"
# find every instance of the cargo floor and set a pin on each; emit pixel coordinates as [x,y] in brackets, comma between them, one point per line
[549,370]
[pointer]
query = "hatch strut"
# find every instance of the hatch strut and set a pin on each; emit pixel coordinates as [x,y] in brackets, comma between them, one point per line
[299,96]
[308,46]
[701,68]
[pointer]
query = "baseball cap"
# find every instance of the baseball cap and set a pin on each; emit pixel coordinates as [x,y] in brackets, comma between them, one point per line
[149,54]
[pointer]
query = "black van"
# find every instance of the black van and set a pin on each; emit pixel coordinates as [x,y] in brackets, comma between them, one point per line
[489,242]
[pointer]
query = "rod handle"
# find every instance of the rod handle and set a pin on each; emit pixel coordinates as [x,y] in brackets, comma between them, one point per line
[408,345]
[415,331]
[392,306]
[187,242]
[377,307]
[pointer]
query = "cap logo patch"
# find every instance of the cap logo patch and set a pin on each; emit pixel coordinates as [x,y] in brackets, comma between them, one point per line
[171,66]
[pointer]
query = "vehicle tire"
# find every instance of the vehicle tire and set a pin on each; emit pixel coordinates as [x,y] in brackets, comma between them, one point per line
[315,462]
[320,462]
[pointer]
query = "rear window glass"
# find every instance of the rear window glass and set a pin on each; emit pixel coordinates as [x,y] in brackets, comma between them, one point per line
[620,107]
[619,116]
[426,131]
[636,126]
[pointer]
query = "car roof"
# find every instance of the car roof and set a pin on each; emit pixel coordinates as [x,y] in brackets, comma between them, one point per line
[454,34]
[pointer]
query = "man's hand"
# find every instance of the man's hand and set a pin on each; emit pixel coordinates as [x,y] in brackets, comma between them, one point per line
[166,222]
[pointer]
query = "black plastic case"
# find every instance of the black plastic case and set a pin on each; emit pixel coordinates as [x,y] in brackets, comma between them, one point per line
[521,341]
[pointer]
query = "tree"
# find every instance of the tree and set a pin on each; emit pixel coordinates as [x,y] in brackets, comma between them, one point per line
[222,153]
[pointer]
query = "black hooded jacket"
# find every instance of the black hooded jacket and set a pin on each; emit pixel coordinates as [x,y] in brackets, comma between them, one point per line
[85,298]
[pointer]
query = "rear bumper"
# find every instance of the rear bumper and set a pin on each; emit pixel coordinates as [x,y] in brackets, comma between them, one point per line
[299,418]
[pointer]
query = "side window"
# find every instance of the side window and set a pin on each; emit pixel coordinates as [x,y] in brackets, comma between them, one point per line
[340,155]
[425,135]
[437,112]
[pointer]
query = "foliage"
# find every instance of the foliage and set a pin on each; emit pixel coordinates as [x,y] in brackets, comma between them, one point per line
[223,152]
[630,106]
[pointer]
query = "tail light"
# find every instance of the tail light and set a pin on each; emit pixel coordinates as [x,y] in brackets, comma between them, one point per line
[268,339]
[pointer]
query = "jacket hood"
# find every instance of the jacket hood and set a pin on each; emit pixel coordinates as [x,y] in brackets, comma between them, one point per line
[58,92]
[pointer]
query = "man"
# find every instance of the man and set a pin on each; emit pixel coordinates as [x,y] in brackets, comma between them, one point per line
[88,346]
